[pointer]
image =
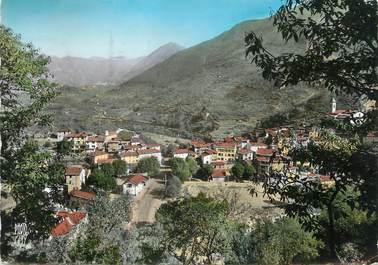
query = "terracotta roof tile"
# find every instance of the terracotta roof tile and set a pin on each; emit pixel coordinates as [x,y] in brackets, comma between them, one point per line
[218,173]
[82,195]
[73,170]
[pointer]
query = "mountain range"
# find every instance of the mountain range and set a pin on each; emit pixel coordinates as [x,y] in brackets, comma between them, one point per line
[74,71]
[208,89]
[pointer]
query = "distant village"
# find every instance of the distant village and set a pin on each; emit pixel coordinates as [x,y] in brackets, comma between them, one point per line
[266,150]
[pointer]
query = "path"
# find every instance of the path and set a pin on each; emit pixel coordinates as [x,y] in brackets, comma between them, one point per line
[148,202]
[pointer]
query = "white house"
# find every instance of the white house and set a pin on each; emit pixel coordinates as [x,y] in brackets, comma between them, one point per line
[207,157]
[181,153]
[134,185]
[62,133]
[94,142]
[149,153]
[245,154]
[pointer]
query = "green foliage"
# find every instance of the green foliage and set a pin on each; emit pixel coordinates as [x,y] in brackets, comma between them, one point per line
[125,135]
[353,225]
[25,92]
[173,187]
[101,180]
[205,172]
[180,168]
[192,164]
[64,147]
[281,242]
[119,167]
[168,150]
[101,240]
[150,165]
[144,244]
[238,171]
[31,172]
[208,223]
[25,89]
[249,170]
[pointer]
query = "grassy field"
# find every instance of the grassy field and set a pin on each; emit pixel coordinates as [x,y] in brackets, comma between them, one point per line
[244,206]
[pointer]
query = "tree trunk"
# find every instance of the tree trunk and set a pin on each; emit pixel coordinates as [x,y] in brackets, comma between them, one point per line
[331,231]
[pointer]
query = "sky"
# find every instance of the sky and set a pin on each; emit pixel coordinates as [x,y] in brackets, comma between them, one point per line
[130,28]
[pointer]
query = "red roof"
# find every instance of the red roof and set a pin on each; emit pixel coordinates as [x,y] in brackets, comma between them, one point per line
[339,111]
[244,151]
[264,159]
[95,138]
[217,163]
[218,173]
[324,178]
[130,153]
[80,135]
[148,151]
[137,179]
[69,221]
[199,143]
[73,170]
[224,144]
[82,195]
[265,151]
[98,153]
[182,151]
[209,152]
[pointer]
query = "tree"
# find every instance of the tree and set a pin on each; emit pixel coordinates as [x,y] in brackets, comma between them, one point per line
[180,168]
[125,135]
[25,92]
[102,239]
[108,170]
[173,187]
[144,244]
[119,167]
[281,242]
[64,147]
[341,46]
[331,155]
[205,218]
[238,171]
[205,172]
[249,170]
[340,54]
[150,165]
[101,180]
[169,150]
[192,164]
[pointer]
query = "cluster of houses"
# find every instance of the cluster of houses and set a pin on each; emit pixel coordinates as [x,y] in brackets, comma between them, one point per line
[266,150]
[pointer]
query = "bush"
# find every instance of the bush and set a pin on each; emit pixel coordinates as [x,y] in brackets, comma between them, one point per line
[282,242]
[173,187]
[150,165]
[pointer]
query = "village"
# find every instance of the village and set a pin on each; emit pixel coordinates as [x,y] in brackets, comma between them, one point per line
[263,151]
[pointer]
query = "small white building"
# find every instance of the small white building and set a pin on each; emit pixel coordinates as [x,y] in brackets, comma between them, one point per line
[62,133]
[245,154]
[94,142]
[134,185]
[218,175]
[146,153]
[181,153]
[208,156]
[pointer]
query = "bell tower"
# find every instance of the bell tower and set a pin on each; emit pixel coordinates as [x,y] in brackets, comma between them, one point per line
[333,105]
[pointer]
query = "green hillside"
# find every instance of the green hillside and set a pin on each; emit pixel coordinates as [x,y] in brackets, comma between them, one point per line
[208,88]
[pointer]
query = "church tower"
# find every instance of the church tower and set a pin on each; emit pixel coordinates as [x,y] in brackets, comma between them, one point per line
[333,105]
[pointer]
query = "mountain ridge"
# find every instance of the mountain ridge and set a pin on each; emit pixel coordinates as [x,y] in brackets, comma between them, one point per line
[210,88]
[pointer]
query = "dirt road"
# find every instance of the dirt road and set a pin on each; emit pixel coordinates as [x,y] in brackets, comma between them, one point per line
[148,202]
